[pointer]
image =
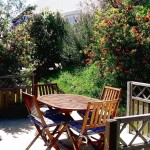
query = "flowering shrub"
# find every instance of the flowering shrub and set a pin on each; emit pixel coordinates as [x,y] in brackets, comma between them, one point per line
[24,45]
[121,45]
[15,50]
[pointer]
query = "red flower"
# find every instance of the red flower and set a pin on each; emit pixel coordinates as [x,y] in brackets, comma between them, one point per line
[87,60]
[126,71]
[148,15]
[118,60]
[106,51]
[138,37]
[117,4]
[102,43]
[119,67]
[89,53]
[127,51]
[120,48]
[119,53]
[120,24]
[109,70]
[128,8]
[11,49]
[146,19]
[145,62]
[112,81]
[105,37]
[135,30]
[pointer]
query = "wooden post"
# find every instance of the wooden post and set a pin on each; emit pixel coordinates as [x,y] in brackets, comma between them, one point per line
[129,98]
[111,136]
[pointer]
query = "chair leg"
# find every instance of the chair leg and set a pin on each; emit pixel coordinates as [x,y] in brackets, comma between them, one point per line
[32,142]
[40,133]
[45,139]
[51,138]
[56,129]
[69,132]
[101,141]
[79,142]
[57,136]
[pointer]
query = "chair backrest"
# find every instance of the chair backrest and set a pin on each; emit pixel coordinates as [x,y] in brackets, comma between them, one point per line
[45,89]
[111,93]
[97,113]
[33,107]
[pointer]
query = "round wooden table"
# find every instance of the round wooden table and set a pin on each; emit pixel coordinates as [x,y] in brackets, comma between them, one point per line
[66,102]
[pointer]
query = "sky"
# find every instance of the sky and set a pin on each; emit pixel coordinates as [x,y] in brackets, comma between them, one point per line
[56,5]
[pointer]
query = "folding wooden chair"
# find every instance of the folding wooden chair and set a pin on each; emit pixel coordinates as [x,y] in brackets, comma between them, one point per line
[93,123]
[108,93]
[45,89]
[44,122]
[111,93]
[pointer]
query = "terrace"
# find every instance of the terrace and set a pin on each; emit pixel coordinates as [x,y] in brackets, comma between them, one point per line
[127,132]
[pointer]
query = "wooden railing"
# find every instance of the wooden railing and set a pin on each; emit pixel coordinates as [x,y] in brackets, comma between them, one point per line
[138,102]
[11,88]
[10,96]
[13,81]
[115,139]
[136,124]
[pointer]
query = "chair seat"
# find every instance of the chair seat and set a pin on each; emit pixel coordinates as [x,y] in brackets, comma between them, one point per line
[77,126]
[51,111]
[44,109]
[51,120]
[81,112]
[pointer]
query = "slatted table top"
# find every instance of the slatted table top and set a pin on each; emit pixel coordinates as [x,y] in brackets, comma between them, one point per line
[68,102]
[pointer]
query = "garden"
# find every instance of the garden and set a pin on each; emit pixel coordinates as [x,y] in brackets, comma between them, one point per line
[108,46]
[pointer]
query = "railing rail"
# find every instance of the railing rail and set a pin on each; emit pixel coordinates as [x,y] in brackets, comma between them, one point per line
[115,127]
[13,81]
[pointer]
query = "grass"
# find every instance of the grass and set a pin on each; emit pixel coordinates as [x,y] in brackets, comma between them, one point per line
[79,80]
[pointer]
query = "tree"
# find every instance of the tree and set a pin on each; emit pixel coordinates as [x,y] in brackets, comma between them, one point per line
[12,7]
[48,32]
[79,34]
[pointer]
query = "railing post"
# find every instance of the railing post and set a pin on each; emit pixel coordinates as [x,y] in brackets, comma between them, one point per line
[129,98]
[111,135]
